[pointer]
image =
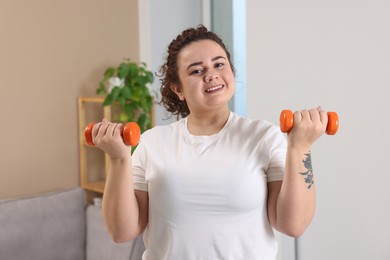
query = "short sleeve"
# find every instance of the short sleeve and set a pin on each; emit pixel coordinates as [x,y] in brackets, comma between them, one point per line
[139,160]
[277,153]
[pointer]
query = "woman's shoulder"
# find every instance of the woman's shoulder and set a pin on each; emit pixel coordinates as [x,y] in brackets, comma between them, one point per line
[256,129]
[161,131]
[250,123]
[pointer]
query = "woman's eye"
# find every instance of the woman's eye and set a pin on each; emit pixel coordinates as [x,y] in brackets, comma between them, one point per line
[218,65]
[198,71]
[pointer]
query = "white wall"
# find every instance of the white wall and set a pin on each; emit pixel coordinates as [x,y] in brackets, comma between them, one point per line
[336,54]
[228,21]
[161,22]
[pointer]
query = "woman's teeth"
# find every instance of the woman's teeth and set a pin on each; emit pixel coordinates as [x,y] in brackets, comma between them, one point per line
[214,88]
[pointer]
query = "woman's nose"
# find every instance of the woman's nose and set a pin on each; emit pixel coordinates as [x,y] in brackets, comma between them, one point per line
[210,76]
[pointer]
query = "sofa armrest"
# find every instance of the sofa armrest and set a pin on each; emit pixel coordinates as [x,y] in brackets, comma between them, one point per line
[100,244]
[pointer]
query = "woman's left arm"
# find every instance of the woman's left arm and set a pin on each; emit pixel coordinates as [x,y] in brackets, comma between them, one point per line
[292,202]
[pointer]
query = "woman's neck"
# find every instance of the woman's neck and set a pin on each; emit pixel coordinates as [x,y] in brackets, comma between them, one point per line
[207,123]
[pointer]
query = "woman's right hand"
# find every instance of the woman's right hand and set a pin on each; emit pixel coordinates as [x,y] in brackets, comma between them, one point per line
[108,137]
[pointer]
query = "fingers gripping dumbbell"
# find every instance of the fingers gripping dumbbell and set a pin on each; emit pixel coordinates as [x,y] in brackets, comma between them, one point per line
[287,122]
[131,134]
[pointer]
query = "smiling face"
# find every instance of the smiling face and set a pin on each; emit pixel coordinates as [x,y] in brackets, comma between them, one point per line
[206,78]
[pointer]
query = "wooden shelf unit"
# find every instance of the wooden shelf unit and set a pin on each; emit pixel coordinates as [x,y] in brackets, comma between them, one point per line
[96,186]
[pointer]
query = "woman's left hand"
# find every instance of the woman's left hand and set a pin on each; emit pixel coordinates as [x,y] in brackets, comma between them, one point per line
[309,125]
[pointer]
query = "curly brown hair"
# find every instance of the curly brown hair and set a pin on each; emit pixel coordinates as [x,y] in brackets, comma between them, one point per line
[169,70]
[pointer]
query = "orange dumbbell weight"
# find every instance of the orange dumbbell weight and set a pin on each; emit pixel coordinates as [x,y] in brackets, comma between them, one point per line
[287,122]
[131,134]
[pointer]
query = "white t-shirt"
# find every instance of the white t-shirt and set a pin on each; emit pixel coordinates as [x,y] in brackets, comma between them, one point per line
[208,194]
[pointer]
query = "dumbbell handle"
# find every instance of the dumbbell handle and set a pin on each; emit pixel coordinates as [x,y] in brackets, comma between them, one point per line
[131,134]
[287,122]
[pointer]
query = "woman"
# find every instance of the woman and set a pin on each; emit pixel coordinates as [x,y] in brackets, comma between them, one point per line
[213,184]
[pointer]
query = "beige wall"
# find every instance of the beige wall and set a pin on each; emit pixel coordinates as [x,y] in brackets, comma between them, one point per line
[51,52]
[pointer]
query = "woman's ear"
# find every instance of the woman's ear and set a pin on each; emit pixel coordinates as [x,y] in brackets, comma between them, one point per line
[176,88]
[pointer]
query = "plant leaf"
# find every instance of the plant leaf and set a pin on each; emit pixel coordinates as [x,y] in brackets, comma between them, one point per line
[122,100]
[102,89]
[123,117]
[109,73]
[126,92]
[128,109]
[123,70]
[150,77]
[108,100]
[141,122]
[115,93]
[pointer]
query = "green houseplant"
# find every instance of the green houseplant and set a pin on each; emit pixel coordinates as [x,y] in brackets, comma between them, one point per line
[127,87]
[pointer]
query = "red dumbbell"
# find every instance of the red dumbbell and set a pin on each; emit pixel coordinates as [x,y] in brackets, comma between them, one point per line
[131,134]
[287,122]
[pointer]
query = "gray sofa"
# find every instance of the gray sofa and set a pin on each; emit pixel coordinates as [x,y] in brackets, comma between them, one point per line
[59,226]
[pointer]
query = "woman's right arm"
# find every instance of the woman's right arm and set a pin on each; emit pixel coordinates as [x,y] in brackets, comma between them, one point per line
[125,210]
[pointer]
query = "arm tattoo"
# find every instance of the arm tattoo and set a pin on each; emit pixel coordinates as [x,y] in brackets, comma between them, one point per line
[308,175]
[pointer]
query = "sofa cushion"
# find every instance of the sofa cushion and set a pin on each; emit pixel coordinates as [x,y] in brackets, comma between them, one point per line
[100,245]
[47,227]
